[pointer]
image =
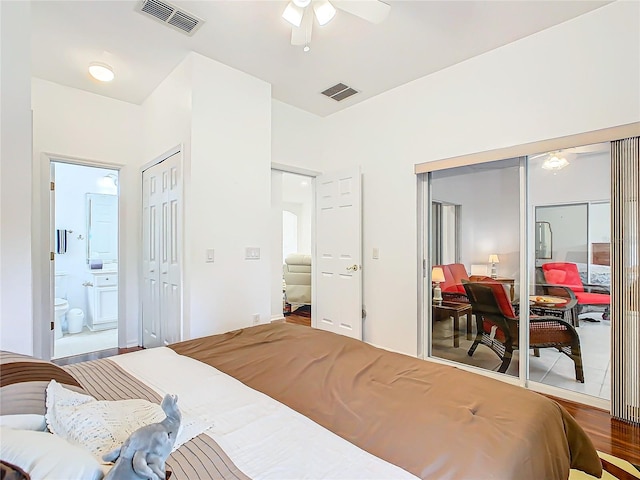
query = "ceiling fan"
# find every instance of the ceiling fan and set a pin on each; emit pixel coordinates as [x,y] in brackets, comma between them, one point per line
[300,14]
[555,160]
[559,159]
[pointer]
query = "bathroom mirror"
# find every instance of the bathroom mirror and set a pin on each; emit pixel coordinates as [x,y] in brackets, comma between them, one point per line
[102,228]
[543,240]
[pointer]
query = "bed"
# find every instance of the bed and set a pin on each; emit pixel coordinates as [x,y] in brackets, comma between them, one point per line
[286,401]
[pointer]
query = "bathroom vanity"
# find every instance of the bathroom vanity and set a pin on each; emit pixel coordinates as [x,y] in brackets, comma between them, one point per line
[102,299]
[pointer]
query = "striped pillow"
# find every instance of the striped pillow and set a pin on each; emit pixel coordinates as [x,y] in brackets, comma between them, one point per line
[24,380]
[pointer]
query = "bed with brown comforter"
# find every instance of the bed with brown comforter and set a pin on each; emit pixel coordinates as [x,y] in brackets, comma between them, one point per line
[435,421]
[431,420]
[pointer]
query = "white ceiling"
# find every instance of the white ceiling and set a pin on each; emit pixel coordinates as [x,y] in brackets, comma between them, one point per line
[418,38]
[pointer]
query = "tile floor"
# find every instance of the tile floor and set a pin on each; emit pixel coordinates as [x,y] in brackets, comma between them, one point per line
[552,367]
[85,342]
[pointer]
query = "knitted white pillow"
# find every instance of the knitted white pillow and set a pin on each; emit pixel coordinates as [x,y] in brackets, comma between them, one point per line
[101,426]
[98,425]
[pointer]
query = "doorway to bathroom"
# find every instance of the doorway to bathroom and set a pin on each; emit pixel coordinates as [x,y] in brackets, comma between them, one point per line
[85,246]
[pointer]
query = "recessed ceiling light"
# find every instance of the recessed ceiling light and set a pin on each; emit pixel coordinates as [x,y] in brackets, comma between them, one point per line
[101,71]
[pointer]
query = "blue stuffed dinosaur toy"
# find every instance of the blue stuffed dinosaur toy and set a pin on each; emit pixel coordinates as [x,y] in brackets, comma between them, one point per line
[143,454]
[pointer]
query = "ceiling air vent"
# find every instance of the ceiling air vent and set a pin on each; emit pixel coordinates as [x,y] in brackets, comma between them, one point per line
[339,92]
[170,15]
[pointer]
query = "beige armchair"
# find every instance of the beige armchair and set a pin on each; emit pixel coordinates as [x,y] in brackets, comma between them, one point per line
[297,279]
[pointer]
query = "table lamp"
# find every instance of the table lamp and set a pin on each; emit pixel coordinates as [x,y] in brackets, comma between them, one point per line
[437,276]
[493,259]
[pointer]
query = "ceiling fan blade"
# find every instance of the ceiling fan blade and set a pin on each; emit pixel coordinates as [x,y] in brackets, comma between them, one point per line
[531,157]
[293,14]
[374,11]
[302,35]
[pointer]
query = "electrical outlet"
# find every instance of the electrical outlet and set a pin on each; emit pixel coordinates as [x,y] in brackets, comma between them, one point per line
[209,255]
[256,318]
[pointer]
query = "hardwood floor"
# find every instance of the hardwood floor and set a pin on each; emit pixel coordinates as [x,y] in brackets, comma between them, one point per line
[94,355]
[298,319]
[608,434]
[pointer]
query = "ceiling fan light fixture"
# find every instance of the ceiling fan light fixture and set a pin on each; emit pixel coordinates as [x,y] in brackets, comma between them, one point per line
[293,14]
[324,11]
[306,48]
[101,71]
[555,162]
[301,3]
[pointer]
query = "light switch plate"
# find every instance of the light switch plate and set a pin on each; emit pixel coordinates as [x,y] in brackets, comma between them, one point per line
[252,253]
[376,253]
[209,255]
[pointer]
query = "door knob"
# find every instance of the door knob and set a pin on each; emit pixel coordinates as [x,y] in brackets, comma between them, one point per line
[353,268]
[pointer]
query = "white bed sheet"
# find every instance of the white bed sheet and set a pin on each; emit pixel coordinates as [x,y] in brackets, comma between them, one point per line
[264,438]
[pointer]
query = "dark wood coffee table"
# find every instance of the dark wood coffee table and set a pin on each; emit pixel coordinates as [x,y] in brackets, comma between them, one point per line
[454,310]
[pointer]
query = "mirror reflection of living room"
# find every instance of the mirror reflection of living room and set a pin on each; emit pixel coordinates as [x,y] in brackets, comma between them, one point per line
[476,219]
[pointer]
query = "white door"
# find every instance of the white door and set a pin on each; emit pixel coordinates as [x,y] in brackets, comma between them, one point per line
[161,301]
[338,277]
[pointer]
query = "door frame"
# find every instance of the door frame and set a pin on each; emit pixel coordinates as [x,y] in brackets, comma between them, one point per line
[312,174]
[185,177]
[43,273]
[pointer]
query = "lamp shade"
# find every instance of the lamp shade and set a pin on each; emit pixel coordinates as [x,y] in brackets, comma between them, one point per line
[493,258]
[437,275]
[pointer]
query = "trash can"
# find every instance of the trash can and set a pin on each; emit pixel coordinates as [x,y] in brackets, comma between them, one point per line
[75,319]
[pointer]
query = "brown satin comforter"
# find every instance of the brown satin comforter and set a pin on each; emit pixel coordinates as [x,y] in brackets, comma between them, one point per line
[435,421]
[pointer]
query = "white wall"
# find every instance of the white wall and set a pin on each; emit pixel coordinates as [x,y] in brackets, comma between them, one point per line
[16,288]
[489,213]
[71,123]
[297,136]
[502,98]
[230,195]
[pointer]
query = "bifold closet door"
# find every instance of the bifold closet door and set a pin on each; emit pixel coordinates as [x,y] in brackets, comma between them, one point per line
[161,298]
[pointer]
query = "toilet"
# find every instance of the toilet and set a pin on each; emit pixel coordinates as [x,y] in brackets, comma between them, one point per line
[61,305]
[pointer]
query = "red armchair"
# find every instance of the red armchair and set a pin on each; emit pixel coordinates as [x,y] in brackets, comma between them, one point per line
[564,273]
